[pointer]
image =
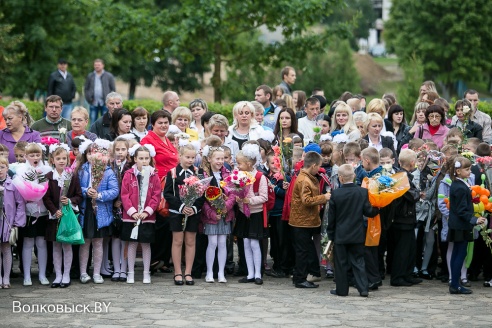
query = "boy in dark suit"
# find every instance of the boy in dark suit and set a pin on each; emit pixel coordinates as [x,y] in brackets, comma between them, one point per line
[348,206]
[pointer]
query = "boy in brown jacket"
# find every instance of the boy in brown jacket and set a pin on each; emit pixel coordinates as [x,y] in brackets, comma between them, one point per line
[304,219]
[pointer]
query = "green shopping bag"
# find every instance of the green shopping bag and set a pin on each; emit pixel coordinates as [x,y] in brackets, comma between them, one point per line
[69,230]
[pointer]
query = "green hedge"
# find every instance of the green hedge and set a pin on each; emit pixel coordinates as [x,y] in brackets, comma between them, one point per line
[36,108]
[153,105]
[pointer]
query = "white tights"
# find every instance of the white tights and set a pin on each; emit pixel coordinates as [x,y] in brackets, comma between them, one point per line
[119,261]
[67,257]
[213,242]
[97,255]
[6,260]
[252,253]
[27,256]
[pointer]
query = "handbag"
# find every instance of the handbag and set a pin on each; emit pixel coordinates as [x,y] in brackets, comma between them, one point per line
[69,230]
[14,235]
[163,207]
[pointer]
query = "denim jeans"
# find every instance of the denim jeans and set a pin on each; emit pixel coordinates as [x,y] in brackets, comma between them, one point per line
[95,110]
[67,111]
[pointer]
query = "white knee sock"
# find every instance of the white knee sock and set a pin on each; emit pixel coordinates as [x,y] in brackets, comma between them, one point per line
[248,255]
[222,254]
[255,246]
[27,256]
[210,255]
[67,262]
[42,256]
[57,261]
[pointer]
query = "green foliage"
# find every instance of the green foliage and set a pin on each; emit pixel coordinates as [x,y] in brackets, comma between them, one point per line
[359,14]
[35,108]
[153,105]
[334,72]
[450,37]
[408,91]
[8,57]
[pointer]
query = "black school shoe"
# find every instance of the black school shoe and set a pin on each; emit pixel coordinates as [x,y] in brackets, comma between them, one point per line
[460,290]
[246,280]
[306,284]
[400,283]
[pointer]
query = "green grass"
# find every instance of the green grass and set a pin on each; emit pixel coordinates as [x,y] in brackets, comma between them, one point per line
[384,61]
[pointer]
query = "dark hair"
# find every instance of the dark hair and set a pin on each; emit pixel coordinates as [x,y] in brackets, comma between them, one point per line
[386,152]
[160,114]
[138,112]
[301,99]
[396,109]
[293,121]
[266,90]
[390,97]
[285,71]
[206,117]
[316,90]
[345,96]
[469,92]
[312,101]
[198,102]
[280,102]
[464,163]
[483,149]
[116,117]
[266,145]
[311,158]
[76,142]
[435,109]
[324,117]
[52,99]
[461,103]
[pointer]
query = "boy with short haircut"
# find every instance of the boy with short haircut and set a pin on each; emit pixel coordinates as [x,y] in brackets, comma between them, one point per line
[415,144]
[483,149]
[387,160]
[348,206]
[305,219]
[471,145]
[403,227]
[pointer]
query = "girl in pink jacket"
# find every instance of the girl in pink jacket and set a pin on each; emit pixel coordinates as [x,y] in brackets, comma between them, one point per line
[217,221]
[12,215]
[140,195]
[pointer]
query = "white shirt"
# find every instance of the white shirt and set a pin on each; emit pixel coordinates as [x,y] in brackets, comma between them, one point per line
[305,126]
[64,74]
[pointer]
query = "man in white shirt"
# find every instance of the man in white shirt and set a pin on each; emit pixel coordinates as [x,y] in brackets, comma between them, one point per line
[307,123]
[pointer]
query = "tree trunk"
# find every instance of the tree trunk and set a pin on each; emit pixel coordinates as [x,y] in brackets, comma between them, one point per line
[216,80]
[132,88]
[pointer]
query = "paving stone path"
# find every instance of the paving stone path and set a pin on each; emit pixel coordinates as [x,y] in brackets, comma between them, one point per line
[274,304]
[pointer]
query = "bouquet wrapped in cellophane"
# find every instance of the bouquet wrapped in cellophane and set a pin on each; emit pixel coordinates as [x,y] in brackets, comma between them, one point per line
[216,198]
[383,189]
[193,189]
[238,183]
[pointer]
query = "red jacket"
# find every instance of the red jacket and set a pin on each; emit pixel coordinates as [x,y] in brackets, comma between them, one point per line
[130,196]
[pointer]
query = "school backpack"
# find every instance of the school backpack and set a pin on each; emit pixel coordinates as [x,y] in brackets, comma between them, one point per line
[163,207]
[270,203]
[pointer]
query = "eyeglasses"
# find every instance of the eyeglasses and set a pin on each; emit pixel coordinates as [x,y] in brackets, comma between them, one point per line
[435,117]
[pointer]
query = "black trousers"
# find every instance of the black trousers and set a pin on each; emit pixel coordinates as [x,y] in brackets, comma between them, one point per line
[372,265]
[350,256]
[161,247]
[276,241]
[288,255]
[306,257]
[482,260]
[404,250]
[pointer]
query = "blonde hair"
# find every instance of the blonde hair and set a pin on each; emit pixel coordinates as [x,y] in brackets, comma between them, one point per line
[81,110]
[355,102]
[373,117]
[407,157]
[371,154]
[33,148]
[19,109]
[240,105]
[183,149]
[376,106]
[350,126]
[346,171]
[181,112]
[419,106]
[4,161]
[57,152]
[218,120]
[289,101]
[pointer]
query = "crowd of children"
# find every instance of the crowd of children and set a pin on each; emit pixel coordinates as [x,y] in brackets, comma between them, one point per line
[303,192]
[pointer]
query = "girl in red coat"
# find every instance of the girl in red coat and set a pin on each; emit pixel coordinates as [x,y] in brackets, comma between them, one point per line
[217,222]
[140,195]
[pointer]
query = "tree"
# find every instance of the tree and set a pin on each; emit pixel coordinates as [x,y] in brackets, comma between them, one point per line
[408,92]
[334,71]
[8,56]
[450,37]
[359,13]
[216,30]
[50,29]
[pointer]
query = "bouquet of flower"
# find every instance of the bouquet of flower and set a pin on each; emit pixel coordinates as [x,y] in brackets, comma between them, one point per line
[98,159]
[31,182]
[317,134]
[63,134]
[48,141]
[67,178]
[193,189]
[215,197]
[382,191]
[239,183]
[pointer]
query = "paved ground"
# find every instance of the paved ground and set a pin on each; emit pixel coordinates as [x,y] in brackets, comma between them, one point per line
[275,304]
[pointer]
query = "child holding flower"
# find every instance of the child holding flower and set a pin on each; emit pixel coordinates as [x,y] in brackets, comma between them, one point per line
[183,215]
[99,190]
[12,215]
[54,199]
[140,196]
[250,226]
[217,214]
